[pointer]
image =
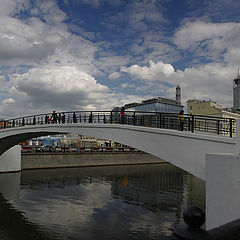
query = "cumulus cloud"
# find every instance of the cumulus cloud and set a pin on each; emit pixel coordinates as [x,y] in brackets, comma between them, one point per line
[33,40]
[193,32]
[44,65]
[206,81]
[153,72]
[210,81]
[212,40]
[55,87]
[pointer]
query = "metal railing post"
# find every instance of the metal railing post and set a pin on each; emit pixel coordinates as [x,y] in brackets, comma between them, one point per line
[160,120]
[134,118]
[90,117]
[189,124]
[231,126]
[141,120]
[192,124]
[46,119]
[218,127]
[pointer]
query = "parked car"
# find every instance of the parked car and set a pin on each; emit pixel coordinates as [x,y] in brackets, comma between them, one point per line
[46,148]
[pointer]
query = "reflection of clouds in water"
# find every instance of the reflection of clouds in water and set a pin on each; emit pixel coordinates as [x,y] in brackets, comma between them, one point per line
[153,224]
[70,207]
[103,205]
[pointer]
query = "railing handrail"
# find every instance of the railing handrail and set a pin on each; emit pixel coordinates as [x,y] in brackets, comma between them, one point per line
[200,123]
[126,111]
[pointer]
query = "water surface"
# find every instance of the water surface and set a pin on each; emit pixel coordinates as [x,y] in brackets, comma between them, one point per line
[121,202]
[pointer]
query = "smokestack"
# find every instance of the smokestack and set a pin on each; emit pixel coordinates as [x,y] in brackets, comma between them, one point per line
[178,95]
[236,93]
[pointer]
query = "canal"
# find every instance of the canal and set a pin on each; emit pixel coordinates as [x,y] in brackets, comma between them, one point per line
[113,202]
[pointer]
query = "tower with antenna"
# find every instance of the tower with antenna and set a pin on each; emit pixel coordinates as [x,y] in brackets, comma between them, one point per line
[236,92]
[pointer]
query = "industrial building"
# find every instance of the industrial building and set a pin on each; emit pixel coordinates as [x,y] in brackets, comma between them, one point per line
[158,104]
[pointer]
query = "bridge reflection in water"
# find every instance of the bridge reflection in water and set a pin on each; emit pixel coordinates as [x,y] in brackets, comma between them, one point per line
[137,202]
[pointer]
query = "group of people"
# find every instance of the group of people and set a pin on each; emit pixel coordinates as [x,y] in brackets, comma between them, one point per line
[60,118]
[55,118]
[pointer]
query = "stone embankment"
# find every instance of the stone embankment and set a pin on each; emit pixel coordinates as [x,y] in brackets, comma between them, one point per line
[85,159]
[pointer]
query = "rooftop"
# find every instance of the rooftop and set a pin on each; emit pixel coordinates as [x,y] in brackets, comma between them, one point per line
[153,100]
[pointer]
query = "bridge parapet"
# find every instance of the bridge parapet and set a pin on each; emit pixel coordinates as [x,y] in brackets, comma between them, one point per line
[192,123]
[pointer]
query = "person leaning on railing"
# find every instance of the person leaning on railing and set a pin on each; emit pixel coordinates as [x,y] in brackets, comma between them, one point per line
[181,120]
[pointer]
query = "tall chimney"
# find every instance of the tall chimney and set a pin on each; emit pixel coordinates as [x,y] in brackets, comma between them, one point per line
[236,93]
[178,95]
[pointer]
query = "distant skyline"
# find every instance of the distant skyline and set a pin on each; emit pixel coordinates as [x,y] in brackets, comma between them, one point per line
[96,54]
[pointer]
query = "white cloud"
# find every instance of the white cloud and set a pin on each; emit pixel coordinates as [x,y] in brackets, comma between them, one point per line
[210,81]
[28,41]
[55,87]
[127,85]
[212,40]
[9,100]
[152,73]
[193,32]
[114,75]
[60,58]
[50,11]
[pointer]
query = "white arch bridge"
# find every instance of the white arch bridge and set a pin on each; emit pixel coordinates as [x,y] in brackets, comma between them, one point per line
[193,150]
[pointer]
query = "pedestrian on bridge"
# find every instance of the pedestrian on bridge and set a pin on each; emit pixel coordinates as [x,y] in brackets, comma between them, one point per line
[181,120]
[122,114]
[54,117]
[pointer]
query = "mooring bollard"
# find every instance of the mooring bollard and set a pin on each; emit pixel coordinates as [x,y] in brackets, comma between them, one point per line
[194,217]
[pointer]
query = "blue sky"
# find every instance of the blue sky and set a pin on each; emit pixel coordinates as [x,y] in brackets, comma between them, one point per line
[96,54]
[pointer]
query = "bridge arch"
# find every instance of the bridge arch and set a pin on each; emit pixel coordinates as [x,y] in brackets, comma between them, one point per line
[182,149]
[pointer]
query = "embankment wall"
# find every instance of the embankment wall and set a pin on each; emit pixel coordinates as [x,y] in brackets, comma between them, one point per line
[61,160]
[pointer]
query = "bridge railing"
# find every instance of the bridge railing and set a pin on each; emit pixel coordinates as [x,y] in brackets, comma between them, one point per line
[192,123]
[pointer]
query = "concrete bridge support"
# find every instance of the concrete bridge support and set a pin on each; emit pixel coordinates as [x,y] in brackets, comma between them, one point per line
[223,186]
[222,189]
[10,161]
